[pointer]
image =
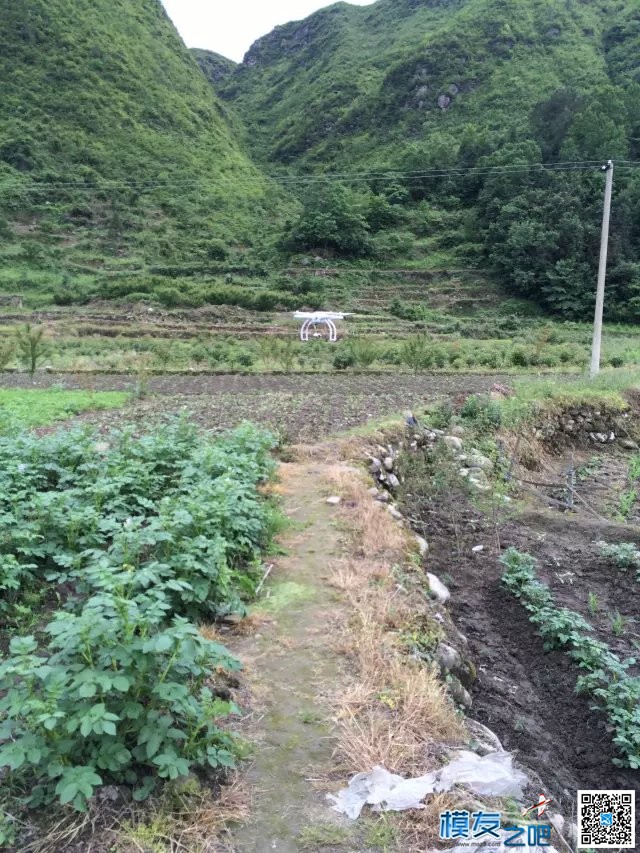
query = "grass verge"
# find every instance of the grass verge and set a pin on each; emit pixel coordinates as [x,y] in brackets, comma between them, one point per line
[32,408]
[609,389]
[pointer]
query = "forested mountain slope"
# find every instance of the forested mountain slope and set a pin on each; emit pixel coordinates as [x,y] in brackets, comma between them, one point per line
[463,87]
[353,79]
[114,150]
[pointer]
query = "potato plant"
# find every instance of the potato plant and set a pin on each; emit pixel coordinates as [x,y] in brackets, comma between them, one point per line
[624,555]
[605,677]
[133,537]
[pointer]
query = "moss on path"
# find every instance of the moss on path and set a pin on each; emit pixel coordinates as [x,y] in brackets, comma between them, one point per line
[291,663]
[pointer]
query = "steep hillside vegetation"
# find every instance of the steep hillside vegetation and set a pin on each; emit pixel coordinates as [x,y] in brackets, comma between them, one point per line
[459,85]
[214,66]
[353,79]
[114,151]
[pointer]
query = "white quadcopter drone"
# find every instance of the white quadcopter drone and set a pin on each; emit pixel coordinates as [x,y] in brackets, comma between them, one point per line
[313,319]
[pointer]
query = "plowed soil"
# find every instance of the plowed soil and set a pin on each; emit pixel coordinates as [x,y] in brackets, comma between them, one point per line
[523,693]
[301,408]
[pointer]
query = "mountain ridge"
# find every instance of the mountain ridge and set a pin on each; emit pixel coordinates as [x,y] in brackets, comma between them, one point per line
[113,144]
[440,60]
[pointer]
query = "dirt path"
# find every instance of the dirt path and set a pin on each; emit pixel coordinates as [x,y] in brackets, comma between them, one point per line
[290,663]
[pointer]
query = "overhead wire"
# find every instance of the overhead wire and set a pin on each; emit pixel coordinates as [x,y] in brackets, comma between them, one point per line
[381,175]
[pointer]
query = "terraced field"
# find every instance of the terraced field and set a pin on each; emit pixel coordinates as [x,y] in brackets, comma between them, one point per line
[299,408]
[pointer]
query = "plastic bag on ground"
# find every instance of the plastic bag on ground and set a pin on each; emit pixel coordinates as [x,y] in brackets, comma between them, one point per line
[490,775]
[383,790]
[495,848]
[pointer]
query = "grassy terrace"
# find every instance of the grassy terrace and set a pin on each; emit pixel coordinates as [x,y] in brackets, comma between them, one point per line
[31,408]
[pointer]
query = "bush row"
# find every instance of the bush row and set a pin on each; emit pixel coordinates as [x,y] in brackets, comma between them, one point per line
[606,677]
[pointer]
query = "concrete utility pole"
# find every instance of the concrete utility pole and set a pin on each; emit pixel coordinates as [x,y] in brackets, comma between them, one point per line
[602,271]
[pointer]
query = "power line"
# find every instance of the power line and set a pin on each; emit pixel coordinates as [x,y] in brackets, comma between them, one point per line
[387,174]
[382,175]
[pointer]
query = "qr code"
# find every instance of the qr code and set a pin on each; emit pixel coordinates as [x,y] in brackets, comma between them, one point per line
[606,819]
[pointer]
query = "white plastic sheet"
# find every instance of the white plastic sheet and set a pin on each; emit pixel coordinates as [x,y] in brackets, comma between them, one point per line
[384,791]
[490,775]
[496,848]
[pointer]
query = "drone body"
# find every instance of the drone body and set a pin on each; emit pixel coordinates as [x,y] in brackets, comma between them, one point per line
[319,318]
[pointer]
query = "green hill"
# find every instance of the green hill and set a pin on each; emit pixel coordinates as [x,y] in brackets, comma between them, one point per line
[215,67]
[454,86]
[115,153]
[353,80]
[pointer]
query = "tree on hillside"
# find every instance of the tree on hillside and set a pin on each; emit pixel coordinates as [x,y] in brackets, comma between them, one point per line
[331,220]
[545,248]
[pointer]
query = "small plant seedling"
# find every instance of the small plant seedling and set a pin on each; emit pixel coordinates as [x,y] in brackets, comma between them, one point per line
[626,504]
[520,724]
[589,468]
[382,835]
[322,835]
[634,467]
[618,623]
[594,604]
[605,675]
[624,556]
[32,346]
[310,717]
[142,379]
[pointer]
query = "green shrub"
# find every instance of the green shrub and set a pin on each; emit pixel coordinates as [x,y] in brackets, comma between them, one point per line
[7,352]
[217,251]
[406,311]
[482,410]
[489,359]
[343,359]
[286,351]
[440,357]
[441,416]
[32,346]
[566,355]
[169,296]
[417,352]
[364,351]
[548,359]
[520,357]
[245,358]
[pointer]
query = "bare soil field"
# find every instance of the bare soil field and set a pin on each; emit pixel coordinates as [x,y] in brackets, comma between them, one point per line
[301,408]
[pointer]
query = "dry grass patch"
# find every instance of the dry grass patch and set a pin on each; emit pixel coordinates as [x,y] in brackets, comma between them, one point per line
[374,534]
[348,576]
[210,632]
[419,828]
[185,818]
[394,709]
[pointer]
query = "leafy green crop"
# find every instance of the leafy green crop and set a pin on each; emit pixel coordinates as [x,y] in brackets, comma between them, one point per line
[624,555]
[606,677]
[133,536]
